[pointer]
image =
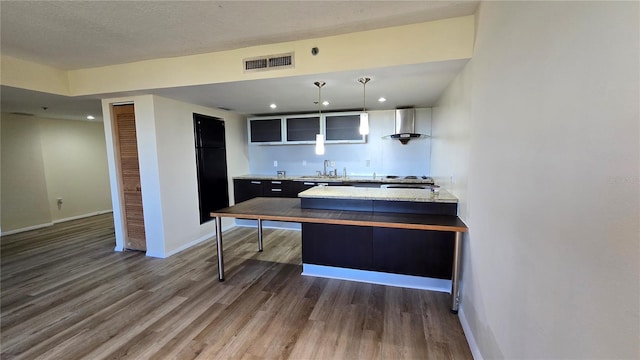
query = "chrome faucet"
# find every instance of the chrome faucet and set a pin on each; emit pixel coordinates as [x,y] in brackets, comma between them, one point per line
[324,171]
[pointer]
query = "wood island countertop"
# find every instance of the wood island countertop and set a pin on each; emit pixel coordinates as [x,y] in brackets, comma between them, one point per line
[361,193]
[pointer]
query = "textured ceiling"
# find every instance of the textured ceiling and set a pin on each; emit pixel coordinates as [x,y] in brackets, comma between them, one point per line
[81,34]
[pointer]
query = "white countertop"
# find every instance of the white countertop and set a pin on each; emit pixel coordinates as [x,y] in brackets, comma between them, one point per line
[377,179]
[361,193]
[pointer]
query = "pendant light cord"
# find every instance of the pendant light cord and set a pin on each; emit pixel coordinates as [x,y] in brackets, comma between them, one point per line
[364,81]
[319,84]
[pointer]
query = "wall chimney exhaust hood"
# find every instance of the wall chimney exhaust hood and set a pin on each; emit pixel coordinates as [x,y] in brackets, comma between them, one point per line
[405,126]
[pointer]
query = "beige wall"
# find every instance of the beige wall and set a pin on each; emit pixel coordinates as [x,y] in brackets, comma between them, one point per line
[432,41]
[45,159]
[544,123]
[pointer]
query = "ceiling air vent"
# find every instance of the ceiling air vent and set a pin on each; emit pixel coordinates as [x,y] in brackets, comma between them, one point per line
[269,62]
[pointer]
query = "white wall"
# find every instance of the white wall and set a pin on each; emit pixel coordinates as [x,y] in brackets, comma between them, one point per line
[386,157]
[178,174]
[45,159]
[547,115]
[166,152]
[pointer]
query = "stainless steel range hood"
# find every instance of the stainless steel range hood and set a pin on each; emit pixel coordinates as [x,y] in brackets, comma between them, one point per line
[405,126]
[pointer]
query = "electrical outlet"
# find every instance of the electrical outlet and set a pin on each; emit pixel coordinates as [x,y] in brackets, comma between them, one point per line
[367,163]
[275,163]
[304,162]
[333,163]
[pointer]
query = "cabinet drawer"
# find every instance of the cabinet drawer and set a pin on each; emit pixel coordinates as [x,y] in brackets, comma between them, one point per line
[277,188]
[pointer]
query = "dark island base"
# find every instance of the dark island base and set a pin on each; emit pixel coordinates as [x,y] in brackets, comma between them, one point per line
[381,206]
[398,251]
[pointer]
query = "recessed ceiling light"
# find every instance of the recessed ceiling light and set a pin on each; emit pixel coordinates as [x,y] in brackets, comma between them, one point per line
[325,103]
[273,106]
[382,99]
[90,117]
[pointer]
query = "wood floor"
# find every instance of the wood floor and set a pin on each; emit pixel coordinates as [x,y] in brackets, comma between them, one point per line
[65,294]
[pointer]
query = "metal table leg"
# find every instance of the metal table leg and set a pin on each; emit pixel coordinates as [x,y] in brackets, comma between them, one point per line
[455,274]
[219,246]
[259,234]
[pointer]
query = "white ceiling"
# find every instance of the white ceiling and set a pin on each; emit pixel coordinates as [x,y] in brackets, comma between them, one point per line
[81,34]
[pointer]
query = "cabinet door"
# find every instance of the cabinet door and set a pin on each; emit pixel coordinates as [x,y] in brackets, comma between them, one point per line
[413,252]
[265,130]
[302,128]
[343,128]
[337,245]
[245,189]
[300,186]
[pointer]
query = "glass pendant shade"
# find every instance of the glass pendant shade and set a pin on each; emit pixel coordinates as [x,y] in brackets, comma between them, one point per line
[364,116]
[319,144]
[364,123]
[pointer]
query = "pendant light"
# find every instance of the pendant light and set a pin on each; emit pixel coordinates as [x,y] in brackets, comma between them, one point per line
[364,116]
[319,137]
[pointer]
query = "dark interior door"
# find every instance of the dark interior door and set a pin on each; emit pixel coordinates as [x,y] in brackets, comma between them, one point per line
[211,161]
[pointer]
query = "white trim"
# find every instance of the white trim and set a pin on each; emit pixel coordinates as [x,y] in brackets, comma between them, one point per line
[40,226]
[375,277]
[203,238]
[82,216]
[155,255]
[28,228]
[471,340]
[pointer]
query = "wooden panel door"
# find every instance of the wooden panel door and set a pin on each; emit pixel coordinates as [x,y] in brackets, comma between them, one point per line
[125,126]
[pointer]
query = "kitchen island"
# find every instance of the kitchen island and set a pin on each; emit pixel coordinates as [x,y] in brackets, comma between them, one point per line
[402,232]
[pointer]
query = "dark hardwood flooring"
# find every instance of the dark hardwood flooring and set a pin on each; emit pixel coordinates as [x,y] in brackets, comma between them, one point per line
[65,294]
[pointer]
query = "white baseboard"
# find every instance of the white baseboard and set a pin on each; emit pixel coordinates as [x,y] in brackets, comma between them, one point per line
[82,216]
[40,226]
[375,277]
[28,228]
[188,245]
[473,345]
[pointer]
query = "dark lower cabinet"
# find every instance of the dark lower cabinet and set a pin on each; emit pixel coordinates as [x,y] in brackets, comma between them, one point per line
[398,251]
[413,252]
[337,245]
[244,189]
[300,186]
